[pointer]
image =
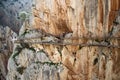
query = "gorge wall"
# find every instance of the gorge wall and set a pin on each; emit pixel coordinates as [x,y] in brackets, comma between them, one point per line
[79,37]
[6,49]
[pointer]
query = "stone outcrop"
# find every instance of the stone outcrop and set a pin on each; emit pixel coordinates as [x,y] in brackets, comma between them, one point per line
[29,62]
[97,19]
[83,18]
[6,48]
[82,36]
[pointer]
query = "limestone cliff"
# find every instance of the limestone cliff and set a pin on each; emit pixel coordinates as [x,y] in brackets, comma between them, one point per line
[84,19]
[81,37]
[6,48]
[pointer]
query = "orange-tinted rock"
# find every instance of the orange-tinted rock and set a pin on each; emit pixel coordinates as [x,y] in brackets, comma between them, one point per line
[83,18]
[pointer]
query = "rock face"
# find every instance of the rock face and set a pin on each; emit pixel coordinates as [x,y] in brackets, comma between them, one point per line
[83,18]
[97,19]
[62,25]
[27,64]
[6,44]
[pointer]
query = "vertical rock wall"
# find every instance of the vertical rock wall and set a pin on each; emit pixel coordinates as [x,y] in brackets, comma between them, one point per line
[86,21]
[97,19]
[28,64]
[6,48]
[82,17]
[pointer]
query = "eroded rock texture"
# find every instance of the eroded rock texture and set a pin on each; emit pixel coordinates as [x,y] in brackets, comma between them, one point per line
[28,64]
[56,21]
[6,44]
[83,18]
